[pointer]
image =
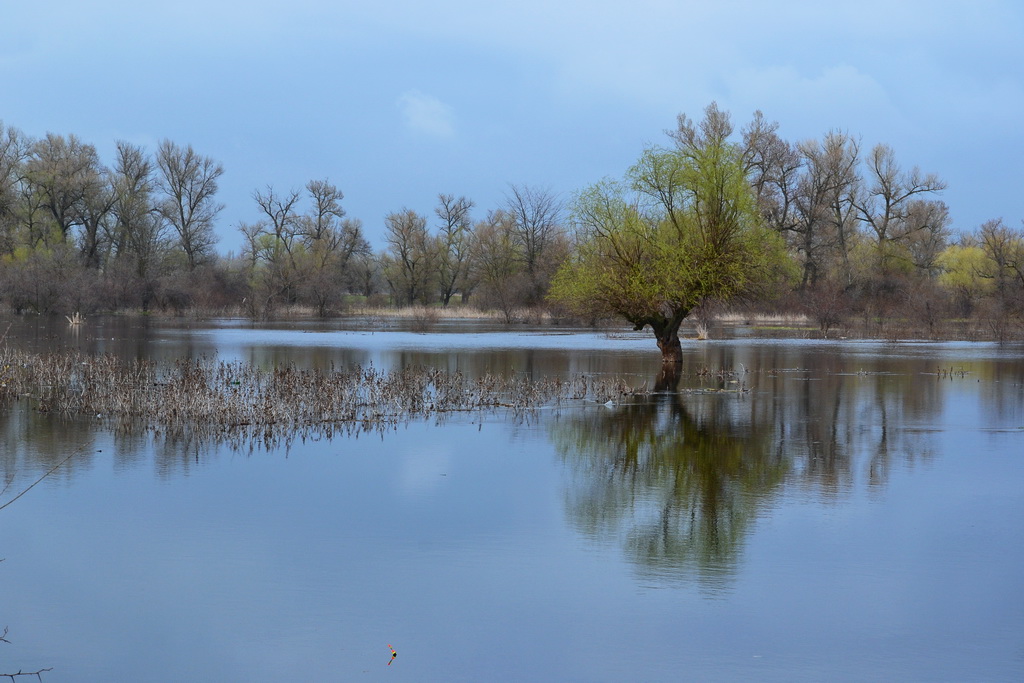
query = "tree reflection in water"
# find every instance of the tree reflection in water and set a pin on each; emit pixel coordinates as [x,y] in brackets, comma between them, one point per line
[679,478]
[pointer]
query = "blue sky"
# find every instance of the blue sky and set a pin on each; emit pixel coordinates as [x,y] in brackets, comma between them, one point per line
[396,101]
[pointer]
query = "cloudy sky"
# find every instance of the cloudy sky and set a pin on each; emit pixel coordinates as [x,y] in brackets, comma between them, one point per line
[396,101]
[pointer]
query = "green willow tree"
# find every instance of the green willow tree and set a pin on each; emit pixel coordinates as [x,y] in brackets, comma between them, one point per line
[682,228]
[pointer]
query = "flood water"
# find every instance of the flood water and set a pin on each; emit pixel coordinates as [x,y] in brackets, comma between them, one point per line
[825,511]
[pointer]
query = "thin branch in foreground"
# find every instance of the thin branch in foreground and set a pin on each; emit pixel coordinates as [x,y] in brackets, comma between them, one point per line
[44,476]
[38,674]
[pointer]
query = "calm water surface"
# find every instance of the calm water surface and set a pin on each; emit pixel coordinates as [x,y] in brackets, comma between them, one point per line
[856,515]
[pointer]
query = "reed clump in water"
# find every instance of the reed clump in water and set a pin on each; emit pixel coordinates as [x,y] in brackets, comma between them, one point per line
[218,397]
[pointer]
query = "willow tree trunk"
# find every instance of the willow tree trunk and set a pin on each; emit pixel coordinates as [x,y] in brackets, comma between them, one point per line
[668,342]
[666,332]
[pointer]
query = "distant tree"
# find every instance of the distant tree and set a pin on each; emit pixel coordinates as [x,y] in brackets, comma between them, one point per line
[884,204]
[773,167]
[49,280]
[93,213]
[823,215]
[536,216]
[14,151]
[280,223]
[62,173]
[408,263]
[964,268]
[454,243]
[300,257]
[188,181]
[928,234]
[498,269]
[1004,246]
[137,235]
[330,243]
[682,229]
[364,277]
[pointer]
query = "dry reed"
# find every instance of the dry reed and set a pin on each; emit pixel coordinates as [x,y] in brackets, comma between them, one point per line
[235,400]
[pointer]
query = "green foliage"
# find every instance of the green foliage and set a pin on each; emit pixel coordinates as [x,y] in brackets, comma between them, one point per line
[681,228]
[964,269]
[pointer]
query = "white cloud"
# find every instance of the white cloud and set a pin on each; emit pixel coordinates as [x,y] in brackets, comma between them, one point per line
[426,114]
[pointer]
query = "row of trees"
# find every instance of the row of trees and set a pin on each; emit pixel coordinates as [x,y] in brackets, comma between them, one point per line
[318,258]
[75,233]
[820,225]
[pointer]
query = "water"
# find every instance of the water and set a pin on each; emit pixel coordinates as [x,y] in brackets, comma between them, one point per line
[854,516]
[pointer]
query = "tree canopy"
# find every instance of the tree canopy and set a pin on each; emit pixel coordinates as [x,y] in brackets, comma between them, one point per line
[680,229]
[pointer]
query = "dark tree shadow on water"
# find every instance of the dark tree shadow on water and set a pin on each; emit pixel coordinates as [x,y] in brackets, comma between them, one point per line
[677,480]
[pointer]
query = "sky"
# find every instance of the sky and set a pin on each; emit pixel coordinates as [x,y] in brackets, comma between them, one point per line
[396,101]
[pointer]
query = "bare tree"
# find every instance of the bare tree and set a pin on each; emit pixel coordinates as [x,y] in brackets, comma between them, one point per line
[325,230]
[281,220]
[330,241]
[323,219]
[883,205]
[497,267]
[773,166]
[189,183]
[454,243]
[928,234]
[408,262]
[137,235]
[93,211]
[271,245]
[536,215]
[823,215]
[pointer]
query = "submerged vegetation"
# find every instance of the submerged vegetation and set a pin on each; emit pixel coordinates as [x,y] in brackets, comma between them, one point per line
[239,402]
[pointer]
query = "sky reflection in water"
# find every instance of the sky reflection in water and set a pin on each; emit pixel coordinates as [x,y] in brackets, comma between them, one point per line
[852,517]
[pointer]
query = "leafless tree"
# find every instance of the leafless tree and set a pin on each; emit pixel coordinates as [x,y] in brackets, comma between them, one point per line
[773,166]
[38,673]
[330,241]
[883,204]
[409,259]
[93,212]
[712,131]
[536,215]
[280,218]
[188,181]
[497,267]
[325,230]
[454,243]
[928,234]
[823,214]
[137,233]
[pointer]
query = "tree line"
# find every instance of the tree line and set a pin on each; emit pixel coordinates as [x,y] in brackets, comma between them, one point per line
[821,226]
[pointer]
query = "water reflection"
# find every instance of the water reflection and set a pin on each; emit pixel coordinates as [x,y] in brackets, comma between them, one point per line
[677,479]
[32,444]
